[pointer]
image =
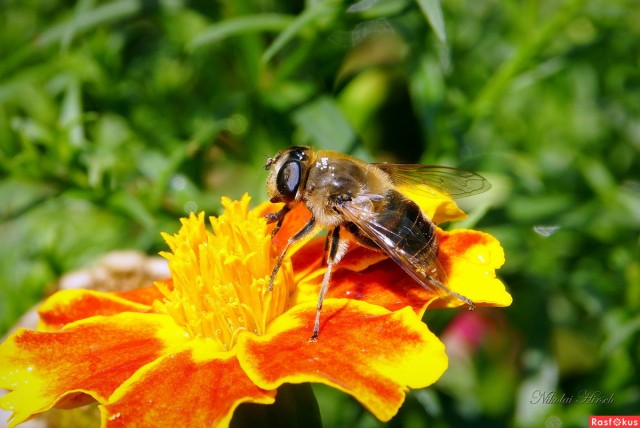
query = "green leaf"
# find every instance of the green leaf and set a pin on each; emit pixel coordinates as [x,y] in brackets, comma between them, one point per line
[128,204]
[266,22]
[325,124]
[518,63]
[71,114]
[315,12]
[18,196]
[111,11]
[433,12]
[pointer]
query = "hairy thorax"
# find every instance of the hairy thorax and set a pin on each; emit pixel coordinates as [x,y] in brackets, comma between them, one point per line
[336,180]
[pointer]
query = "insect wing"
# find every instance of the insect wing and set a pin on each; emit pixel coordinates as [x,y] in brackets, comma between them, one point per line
[430,274]
[435,181]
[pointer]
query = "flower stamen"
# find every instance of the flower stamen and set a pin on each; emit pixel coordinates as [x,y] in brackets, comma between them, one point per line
[220,279]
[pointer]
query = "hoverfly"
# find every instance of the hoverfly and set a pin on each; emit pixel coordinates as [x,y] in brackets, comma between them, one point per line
[345,193]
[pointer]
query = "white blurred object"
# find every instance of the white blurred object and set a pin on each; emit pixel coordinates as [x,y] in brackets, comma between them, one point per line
[546,230]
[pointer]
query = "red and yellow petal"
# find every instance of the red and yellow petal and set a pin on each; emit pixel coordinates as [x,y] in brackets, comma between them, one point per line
[308,260]
[294,221]
[384,284]
[309,269]
[196,386]
[67,306]
[471,259]
[438,207]
[145,295]
[308,263]
[92,356]
[363,350]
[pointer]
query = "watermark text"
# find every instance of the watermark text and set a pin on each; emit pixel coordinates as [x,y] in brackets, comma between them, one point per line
[583,397]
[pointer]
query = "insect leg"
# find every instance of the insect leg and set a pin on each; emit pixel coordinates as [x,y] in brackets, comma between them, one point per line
[452,295]
[325,250]
[277,217]
[335,251]
[308,228]
[438,278]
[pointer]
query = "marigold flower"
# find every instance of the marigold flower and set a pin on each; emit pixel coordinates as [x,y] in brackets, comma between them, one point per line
[189,351]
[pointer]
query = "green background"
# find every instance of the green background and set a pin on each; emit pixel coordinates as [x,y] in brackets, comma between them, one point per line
[116,118]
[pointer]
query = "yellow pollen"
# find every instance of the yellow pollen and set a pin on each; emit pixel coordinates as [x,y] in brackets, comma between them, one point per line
[220,277]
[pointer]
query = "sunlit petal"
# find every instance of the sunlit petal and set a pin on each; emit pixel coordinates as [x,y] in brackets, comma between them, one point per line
[438,207]
[471,259]
[92,356]
[363,350]
[196,386]
[68,306]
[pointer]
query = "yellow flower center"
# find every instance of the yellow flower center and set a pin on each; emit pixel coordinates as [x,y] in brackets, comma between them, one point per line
[220,279]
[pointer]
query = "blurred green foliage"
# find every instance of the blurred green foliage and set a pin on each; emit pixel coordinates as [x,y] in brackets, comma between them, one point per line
[118,117]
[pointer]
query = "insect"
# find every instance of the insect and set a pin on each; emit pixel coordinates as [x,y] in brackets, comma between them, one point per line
[344,193]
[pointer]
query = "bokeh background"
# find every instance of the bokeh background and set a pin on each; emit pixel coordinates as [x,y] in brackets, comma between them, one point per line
[117,118]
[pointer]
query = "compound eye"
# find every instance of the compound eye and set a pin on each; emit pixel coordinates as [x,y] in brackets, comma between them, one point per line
[288,180]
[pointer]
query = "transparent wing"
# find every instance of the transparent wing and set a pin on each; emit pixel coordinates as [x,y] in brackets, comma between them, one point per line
[424,268]
[433,181]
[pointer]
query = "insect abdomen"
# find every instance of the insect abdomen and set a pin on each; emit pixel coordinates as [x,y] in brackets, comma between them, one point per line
[412,232]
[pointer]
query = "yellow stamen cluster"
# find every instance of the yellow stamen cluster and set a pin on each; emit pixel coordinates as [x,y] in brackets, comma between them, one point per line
[220,278]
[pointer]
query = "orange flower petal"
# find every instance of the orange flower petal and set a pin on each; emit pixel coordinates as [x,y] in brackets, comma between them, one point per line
[384,284]
[471,259]
[67,306]
[438,207]
[308,261]
[92,356]
[364,350]
[293,222]
[145,295]
[447,211]
[197,386]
